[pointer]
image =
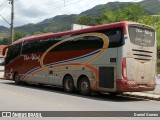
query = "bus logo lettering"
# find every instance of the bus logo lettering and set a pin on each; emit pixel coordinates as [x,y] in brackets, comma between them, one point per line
[31,57]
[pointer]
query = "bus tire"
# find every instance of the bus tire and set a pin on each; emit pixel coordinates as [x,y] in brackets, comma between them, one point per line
[17,78]
[68,84]
[84,86]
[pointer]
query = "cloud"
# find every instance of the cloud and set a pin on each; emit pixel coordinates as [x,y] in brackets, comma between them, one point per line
[29,11]
[37,10]
[33,11]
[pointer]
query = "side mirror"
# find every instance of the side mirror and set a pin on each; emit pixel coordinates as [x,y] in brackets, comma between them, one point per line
[4,51]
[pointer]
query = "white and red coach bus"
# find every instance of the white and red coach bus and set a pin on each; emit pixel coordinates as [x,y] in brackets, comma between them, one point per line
[112,58]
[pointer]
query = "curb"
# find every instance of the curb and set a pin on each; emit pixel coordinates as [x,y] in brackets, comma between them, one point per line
[143,95]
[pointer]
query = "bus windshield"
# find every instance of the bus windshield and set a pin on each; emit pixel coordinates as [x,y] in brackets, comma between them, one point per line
[142,36]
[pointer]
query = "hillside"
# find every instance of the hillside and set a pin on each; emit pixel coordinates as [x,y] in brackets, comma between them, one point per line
[95,11]
[57,23]
[151,6]
[3,29]
[4,32]
[63,22]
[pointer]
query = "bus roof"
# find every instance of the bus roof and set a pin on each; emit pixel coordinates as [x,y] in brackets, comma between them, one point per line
[90,29]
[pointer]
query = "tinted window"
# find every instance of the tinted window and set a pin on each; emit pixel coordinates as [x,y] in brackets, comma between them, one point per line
[13,52]
[142,36]
[37,45]
[28,47]
[115,36]
[89,42]
[43,44]
[82,43]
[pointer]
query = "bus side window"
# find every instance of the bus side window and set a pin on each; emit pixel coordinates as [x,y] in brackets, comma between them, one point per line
[27,47]
[87,42]
[17,50]
[62,47]
[115,36]
[42,45]
[80,43]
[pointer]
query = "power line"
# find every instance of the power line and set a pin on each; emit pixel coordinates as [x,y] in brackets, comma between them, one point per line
[88,12]
[53,6]
[5,20]
[48,8]
[42,4]
[56,5]
[3,6]
[3,3]
[57,10]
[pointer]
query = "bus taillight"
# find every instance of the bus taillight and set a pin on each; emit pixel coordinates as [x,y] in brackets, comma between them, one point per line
[124,70]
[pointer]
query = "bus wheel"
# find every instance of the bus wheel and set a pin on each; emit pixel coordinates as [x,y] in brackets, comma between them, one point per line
[17,78]
[84,86]
[68,84]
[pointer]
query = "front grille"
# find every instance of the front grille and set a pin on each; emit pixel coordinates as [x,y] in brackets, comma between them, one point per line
[142,55]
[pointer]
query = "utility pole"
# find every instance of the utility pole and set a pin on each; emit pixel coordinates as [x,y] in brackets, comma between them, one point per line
[12,20]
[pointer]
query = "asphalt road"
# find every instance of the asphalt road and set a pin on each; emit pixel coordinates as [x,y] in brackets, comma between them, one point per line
[36,98]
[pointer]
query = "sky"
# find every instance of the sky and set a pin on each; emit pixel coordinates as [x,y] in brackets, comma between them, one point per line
[34,11]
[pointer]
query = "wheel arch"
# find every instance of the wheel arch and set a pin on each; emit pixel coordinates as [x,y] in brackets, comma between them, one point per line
[65,77]
[13,75]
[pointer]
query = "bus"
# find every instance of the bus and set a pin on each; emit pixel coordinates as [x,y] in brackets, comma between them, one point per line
[111,58]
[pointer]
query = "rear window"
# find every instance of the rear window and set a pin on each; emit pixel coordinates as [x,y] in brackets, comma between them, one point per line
[142,36]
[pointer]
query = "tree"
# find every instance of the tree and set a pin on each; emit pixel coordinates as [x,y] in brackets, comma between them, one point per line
[19,35]
[5,41]
[108,16]
[153,21]
[36,33]
[87,20]
[130,12]
[133,12]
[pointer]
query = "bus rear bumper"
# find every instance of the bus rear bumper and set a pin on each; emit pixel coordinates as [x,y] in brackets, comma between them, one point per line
[131,86]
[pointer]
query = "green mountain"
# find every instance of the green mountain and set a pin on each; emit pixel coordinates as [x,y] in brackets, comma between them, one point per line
[3,29]
[4,32]
[99,8]
[63,22]
[151,6]
[57,23]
